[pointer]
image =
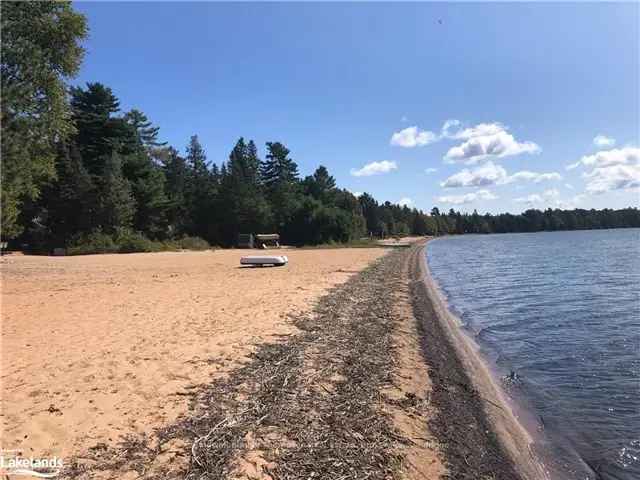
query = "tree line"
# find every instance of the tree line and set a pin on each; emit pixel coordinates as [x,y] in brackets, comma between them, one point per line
[77,170]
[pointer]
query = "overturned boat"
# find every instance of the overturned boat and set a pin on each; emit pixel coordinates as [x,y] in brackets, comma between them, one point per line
[261,260]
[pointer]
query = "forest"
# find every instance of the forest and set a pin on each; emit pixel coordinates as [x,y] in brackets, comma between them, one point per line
[80,173]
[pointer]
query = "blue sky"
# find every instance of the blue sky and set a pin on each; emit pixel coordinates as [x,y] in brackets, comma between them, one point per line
[530,86]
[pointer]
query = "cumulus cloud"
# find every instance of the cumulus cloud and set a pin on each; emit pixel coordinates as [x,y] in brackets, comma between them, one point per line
[430,170]
[413,137]
[543,197]
[603,141]
[374,168]
[484,140]
[467,198]
[450,124]
[608,158]
[487,140]
[614,177]
[534,176]
[405,202]
[488,174]
[357,194]
[550,198]
[615,169]
[492,174]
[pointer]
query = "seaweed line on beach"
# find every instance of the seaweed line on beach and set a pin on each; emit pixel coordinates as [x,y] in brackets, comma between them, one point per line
[309,406]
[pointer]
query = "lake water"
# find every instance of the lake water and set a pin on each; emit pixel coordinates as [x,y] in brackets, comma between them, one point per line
[562,311]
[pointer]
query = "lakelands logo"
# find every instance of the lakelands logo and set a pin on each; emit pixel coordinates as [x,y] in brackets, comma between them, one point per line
[13,463]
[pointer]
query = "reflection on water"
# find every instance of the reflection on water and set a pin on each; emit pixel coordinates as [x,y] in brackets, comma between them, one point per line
[561,311]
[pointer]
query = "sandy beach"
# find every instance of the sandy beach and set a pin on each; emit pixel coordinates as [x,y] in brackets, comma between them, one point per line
[177,365]
[96,347]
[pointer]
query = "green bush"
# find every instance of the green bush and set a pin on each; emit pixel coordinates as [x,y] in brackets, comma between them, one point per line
[128,241]
[193,243]
[94,242]
[131,242]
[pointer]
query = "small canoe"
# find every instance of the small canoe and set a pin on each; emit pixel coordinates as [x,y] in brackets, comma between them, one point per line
[275,260]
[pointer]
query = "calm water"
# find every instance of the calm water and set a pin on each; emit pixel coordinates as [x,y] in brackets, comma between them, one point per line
[562,311]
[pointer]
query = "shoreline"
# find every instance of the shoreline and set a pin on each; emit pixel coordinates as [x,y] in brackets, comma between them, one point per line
[369,378]
[468,387]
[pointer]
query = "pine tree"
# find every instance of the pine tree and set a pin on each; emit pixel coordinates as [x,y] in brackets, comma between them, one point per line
[200,190]
[116,202]
[278,169]
[145,133]
[99,133]
[242,204]
[178,216]
[279,175]
[69,201]
[147,182]
[320,185]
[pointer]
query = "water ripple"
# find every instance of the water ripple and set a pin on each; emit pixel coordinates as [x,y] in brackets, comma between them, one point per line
[561,313]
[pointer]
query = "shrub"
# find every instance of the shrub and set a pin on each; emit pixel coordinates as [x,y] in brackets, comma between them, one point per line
[92,243]
[130,242]
[193,243]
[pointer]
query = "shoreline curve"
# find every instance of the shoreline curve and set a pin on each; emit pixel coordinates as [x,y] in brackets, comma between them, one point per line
[466,392]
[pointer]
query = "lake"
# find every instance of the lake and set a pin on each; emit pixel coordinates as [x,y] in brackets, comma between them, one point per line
[558,313]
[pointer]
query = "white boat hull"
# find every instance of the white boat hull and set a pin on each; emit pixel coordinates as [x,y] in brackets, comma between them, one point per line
[276,260]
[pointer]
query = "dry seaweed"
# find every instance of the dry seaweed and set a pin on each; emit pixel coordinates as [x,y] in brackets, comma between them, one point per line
[310,404]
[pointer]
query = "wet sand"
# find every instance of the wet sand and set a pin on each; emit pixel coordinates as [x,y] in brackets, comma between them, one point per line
[476,422]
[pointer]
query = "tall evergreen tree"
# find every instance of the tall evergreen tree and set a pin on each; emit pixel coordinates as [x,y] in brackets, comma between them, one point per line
[116,202]
[279,175]
[99,133]
[320,185]
[200,190]
[145,133]
[71,199]
[242,204]
[175,172]
[278,168]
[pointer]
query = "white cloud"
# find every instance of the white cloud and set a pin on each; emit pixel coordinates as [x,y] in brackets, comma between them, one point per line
[608,158]
[448,125]
[604,141]
[614,177]
[535,177]
[488,174]
[467,198]
[492,174]
[405,202]
[615,169]
[487,140]
[374,168]
[413,137]
[550,198]
[430,170]
[357,194]
[569,186]
[543,197]
[481,141]
[480,130]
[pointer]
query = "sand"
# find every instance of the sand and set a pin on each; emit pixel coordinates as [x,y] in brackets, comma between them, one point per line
[97,347]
